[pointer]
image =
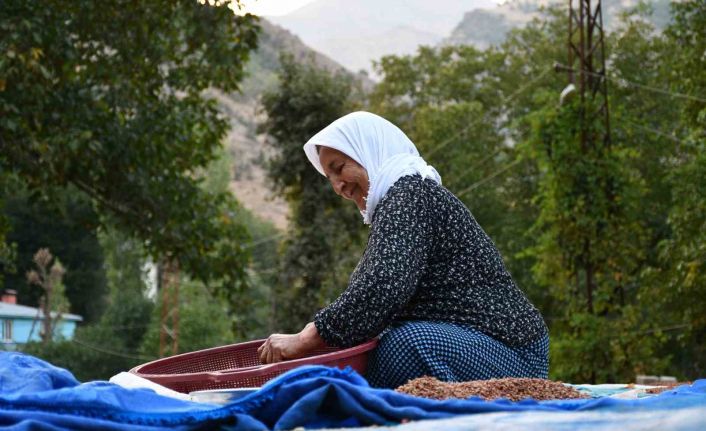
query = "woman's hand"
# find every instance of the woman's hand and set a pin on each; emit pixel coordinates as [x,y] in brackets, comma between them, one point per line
[282,347]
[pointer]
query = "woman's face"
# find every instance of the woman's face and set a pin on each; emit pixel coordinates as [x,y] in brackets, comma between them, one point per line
[348,178]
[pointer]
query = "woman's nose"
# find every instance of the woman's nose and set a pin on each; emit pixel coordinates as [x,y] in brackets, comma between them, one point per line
[338,186]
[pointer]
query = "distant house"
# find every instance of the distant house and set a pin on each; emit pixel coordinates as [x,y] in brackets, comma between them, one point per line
[20,324]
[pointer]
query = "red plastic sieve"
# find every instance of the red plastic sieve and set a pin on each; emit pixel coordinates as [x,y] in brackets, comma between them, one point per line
[238,366]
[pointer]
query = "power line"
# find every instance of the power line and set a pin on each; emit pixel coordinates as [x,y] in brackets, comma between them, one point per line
[146,325]
[478,164]
[503,102]
[634,84]
[665,328]
[525,87]
[655,131]
[486,179]
[657,90]
[111,352]
[512,164]
[266,271]
[264,240]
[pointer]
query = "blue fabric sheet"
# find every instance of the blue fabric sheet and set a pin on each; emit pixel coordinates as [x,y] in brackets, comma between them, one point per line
[35,395]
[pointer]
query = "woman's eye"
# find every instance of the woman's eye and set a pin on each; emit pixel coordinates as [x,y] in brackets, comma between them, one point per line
[340,167]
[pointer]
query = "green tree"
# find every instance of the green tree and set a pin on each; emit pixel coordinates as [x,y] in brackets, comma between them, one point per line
[636,113]
[463,108]
[107,98]
[263,276]
[204,319]
[129,309]
[47,275]
[488,120]
[253,315]
[204,322]
[324,234]
[7,248]
[66,224]
[111,344]
[679,284]
[590,243]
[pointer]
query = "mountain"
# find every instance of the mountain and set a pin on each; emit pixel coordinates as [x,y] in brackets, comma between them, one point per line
[243,109]
[354,33]
[484,27]
[358,52]
[350,35]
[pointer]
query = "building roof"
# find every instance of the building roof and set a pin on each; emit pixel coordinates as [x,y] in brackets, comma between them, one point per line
[23,311]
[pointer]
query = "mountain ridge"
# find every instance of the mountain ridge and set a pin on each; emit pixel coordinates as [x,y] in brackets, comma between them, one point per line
[365,27]
[243,109]
[485,27]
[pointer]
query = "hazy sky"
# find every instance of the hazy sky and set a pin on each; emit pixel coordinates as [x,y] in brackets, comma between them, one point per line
[272,7]
[279,7]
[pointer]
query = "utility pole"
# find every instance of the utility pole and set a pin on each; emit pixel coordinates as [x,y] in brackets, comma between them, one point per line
[586,68]
[168,279]
[587,72]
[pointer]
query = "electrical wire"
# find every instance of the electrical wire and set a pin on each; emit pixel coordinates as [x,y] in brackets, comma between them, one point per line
[146,325]
[266,271]
[508,99]
[503,102]
[656,90]
[621,80]
[263,240]
[512,164]
[488,178]
[476,165]
[111,352]
[635,84]
[495,174]
[655,131]
[665,328]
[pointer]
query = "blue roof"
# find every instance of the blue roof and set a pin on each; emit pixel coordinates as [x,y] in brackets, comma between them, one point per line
[23,311]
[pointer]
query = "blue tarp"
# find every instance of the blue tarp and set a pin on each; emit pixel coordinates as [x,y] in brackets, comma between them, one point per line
[38,396]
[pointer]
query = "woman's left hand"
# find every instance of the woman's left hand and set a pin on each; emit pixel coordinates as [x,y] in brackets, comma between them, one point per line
[282,347]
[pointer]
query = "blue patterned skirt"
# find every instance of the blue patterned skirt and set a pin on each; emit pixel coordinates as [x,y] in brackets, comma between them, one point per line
[450,352]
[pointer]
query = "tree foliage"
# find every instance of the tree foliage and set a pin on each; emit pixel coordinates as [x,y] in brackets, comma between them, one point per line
[678,281]
[127,333]
[203,322]
[66,224]
[48,275]
[324,230]
[605,239]
[111,344]
[589,245]
[107,98]
[461,106]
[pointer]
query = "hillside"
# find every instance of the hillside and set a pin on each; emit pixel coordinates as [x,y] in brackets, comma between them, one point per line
[485,27]
[247,148]
[356,33]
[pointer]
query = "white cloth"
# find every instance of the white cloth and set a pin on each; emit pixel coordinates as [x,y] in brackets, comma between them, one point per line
[379,146]
[132,381]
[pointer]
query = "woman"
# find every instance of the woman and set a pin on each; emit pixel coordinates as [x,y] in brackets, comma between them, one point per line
[430,282]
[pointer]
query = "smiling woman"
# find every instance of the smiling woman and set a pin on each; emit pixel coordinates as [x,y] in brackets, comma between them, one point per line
[430,284]
[348,178]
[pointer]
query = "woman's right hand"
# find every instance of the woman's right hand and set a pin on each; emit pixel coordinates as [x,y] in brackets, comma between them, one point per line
[282,347]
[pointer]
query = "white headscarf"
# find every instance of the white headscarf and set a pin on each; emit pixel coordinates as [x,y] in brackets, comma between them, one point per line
[379,146]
